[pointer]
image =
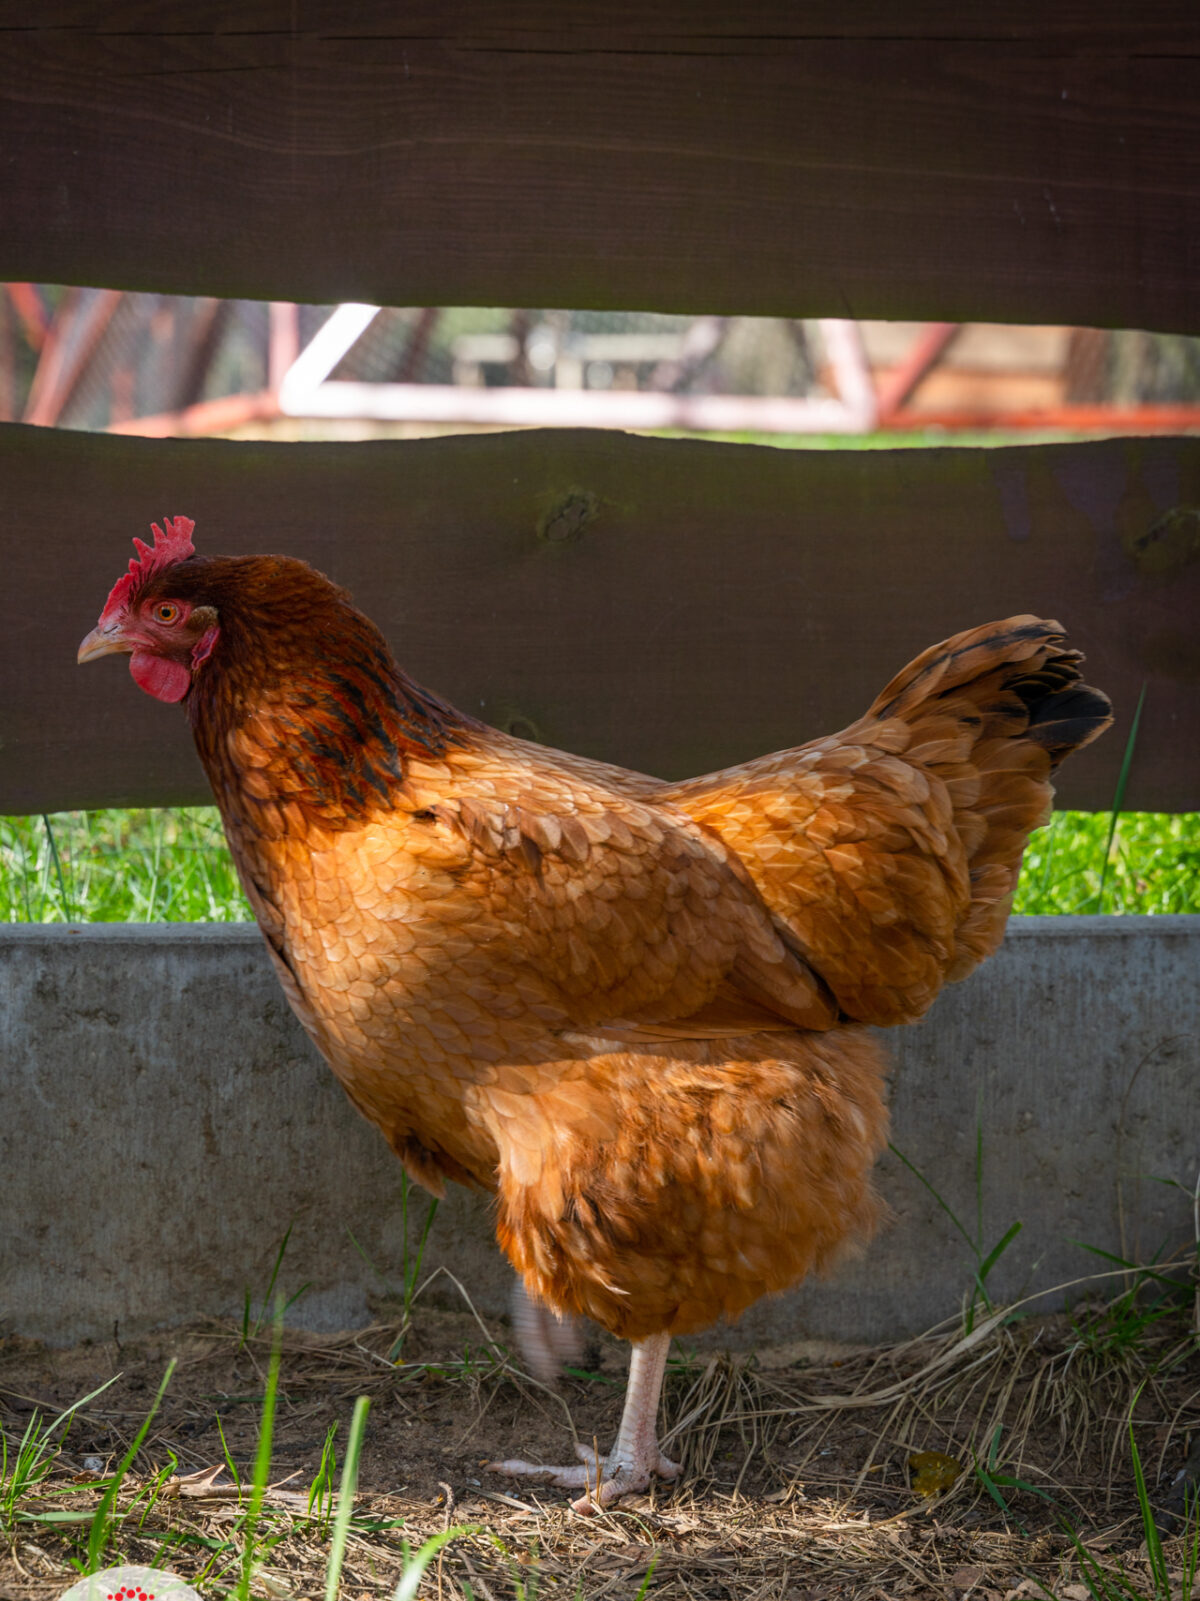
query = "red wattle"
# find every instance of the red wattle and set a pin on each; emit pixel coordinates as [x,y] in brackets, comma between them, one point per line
[159,676]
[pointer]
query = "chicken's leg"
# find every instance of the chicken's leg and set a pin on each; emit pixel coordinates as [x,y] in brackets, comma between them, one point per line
[548,1342]
[635,1457]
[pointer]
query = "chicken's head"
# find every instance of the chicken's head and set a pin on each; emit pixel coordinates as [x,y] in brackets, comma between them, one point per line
[165,636]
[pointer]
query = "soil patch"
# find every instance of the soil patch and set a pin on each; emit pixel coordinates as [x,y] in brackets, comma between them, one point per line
[800,1479]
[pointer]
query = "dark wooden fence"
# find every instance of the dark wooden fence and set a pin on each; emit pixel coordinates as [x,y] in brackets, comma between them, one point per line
[894,158]
[669,605]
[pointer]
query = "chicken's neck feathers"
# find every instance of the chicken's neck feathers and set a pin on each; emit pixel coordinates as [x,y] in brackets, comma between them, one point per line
[306,722]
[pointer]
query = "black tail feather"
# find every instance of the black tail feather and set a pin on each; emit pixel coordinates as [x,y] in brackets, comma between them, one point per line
[1068,719]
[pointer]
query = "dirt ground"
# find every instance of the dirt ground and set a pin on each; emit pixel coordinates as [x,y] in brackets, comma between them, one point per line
[799,1473]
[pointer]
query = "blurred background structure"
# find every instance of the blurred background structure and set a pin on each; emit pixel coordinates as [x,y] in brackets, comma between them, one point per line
[171,365]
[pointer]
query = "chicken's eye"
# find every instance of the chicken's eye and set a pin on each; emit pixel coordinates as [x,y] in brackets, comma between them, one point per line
[166,611]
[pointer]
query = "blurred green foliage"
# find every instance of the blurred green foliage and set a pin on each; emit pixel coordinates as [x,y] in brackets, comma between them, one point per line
[174,866]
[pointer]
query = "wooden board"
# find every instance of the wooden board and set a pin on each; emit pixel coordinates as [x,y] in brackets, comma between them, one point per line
[930,160]
[671,605]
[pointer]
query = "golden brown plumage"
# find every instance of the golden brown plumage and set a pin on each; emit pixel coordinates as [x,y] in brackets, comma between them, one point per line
[633,1010]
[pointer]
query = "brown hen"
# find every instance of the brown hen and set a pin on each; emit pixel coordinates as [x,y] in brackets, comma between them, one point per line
[634,1011]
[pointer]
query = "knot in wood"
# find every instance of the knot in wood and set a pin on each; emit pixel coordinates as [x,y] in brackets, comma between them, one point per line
[568,517]
[1169,545]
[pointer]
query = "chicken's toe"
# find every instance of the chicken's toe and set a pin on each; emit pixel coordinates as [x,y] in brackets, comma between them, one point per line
[623,1475]
[566,1478]
[603,1480]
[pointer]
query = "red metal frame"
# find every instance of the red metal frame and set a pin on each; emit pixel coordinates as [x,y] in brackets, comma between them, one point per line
[64,359]
[902,383]
[32,311]
[206,417]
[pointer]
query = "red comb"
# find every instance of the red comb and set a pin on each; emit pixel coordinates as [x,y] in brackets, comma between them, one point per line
[168,548]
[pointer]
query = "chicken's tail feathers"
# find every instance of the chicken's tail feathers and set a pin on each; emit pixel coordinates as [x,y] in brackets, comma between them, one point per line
[991,713]
[1025,661]
[1068,720]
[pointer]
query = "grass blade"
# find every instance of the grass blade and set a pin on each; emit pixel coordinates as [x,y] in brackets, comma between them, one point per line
[102,1521]
[949,1211]
[267,1298]
[67,907]
[229,1462]
[320,1491]
[1154,1550]
[998,1250]
[414,1567]
[345,1508]
[262,1461]
[644,1587]
[1119,796]
[27,1468]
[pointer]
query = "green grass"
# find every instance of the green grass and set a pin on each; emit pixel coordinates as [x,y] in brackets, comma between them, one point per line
[935,438]
[1106,1580]
[119,867]
[985,1260]
[1153,864]
[173,866]
[29,1462]
[255,1532]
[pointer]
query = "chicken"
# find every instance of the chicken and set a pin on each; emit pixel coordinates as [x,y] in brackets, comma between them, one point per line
[636,1012]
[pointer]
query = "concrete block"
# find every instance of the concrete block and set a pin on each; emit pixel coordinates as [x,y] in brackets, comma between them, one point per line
[164,1120]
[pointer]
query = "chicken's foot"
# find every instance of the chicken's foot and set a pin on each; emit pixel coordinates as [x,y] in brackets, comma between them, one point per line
[548,1342]
[635,1457]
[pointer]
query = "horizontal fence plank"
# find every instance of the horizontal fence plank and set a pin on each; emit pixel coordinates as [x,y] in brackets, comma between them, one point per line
[1044,168]
[669,604]
[700,25]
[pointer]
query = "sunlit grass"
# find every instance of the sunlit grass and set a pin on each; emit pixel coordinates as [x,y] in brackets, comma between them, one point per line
[119,866]
[174,867]
[932,438]
[1154,864]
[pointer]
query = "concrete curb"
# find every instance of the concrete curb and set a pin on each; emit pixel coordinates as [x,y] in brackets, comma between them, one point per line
[164,1118]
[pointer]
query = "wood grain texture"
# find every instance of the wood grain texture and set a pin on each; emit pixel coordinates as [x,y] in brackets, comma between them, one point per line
[709,603]
[1042,165]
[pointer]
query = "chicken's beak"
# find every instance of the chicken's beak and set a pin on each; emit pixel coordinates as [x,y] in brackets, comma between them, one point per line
[103,640]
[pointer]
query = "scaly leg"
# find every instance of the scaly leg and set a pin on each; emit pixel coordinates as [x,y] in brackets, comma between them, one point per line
[548,1342]
[635,1457]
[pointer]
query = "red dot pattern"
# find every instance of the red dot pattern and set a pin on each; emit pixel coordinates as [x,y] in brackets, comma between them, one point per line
[130,1592]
